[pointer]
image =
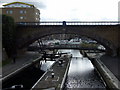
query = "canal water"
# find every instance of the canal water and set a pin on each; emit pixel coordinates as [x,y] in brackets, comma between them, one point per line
[27,77]
[45,65]
[82,74]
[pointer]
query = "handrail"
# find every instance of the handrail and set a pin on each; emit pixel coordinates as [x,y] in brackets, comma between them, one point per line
[64,23]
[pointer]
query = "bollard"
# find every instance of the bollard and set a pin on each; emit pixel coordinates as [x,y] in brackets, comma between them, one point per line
[64,23]
[60,63]
[52,74]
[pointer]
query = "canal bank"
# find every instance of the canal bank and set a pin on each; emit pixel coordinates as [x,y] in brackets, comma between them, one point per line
[112,63]
[17,69]
[54,78]
[23,63]
[27,75]
[110,79]
[25,78]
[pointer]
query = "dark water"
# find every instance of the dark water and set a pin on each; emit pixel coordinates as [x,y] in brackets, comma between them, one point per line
[27,78]
[82,74]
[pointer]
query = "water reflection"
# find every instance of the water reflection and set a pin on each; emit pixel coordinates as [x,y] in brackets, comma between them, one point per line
[46,65]
[82,74]
[64,51]
[80,66]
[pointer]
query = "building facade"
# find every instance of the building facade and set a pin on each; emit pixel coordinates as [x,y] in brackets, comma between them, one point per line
[21,12]
[119,11]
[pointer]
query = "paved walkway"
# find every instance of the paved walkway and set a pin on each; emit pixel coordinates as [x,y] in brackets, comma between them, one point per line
[113,64]
[56,83]
[20,62]
[109,69]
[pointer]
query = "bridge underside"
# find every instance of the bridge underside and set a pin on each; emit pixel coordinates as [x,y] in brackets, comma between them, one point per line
[107,35]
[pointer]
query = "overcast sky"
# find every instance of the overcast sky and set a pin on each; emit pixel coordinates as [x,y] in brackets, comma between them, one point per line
[74,10]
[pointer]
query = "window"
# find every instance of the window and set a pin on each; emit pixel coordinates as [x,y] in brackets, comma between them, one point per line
[24,17]
[7,12]
[21,11]
[37,19]
[11,11]
[21,17]
[24,11]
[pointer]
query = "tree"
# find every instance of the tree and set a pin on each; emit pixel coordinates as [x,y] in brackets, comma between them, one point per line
[8,35]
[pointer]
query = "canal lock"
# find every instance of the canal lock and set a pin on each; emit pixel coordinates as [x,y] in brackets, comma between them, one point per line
[28,76]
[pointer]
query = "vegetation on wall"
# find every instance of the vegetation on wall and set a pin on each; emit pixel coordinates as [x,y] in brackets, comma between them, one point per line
[90,45]
[8,35]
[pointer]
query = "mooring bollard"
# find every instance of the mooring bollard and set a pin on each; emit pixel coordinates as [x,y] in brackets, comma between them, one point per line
[52,74]
[60,63]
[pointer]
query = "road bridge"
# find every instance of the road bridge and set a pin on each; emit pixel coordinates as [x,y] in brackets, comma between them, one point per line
[105,33]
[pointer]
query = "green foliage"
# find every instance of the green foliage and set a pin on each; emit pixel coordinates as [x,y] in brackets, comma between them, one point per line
[8,34]
[57,43]
[90,45]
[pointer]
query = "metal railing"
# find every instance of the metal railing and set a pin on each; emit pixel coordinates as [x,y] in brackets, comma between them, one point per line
[64,23]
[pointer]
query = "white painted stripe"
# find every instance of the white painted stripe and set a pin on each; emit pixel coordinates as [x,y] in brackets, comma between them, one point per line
[15,71]
[112,78]
[25,65]
[41,77]
[66,72]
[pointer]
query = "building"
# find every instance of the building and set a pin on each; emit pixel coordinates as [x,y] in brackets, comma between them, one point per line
[119,11]
[22,12]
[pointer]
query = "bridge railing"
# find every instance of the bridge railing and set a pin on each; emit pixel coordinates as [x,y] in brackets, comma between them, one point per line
[93,23]
[64,23]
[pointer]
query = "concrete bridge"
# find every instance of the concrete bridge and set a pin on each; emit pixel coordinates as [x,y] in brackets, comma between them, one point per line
[106,33]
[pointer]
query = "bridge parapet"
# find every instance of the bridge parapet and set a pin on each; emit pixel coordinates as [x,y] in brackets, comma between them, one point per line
[70,23]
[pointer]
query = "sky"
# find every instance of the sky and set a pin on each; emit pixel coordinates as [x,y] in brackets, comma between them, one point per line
[74,10]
